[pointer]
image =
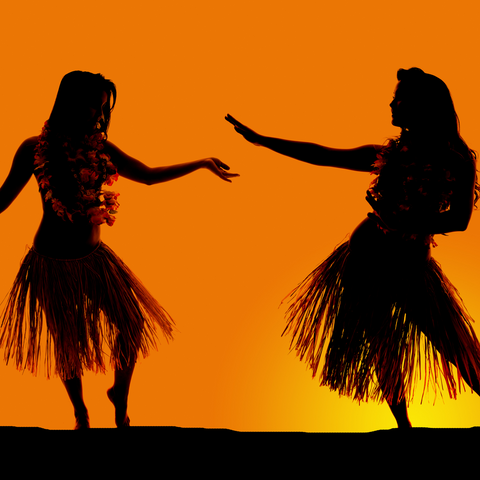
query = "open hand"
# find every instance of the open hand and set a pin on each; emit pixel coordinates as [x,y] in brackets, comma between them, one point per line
[247,133]
[219,168]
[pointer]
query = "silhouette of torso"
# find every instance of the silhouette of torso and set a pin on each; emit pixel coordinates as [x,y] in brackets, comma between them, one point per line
[63,239]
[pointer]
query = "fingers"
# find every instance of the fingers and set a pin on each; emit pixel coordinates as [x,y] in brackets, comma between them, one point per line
[225,179]
[220,169]
[243,131]
[232,120]
[221,164]
[226,176]
[223,167]
[239,127]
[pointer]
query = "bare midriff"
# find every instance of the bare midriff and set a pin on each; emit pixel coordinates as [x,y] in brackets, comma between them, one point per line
[63,239]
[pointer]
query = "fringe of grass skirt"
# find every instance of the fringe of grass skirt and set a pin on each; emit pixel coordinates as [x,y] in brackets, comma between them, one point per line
[375,327]
[65,311]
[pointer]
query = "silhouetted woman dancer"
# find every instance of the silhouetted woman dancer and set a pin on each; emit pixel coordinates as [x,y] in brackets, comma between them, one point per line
[378,313]
[73,295]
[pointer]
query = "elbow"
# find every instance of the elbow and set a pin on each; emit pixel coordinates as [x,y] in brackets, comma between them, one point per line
[147,178]
[463,226]
[453,222]
[152,176]
[464,222]
[4,204]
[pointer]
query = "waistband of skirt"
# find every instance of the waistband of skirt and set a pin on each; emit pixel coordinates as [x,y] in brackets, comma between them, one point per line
[36,252]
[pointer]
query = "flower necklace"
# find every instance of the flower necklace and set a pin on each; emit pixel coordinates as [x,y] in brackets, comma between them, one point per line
[90,168]
[406,184]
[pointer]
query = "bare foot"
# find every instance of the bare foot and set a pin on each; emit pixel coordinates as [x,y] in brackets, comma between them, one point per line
[82,421]
[121,417]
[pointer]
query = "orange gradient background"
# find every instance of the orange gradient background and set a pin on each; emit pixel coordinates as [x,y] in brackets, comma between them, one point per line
[220,257]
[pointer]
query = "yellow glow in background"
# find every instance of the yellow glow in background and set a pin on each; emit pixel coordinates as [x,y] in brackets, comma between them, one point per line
[219,257]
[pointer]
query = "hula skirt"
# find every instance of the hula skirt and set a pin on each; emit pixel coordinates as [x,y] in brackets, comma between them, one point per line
[374,323]
[64,312]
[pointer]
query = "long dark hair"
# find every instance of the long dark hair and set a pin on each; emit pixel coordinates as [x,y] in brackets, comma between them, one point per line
[431,110]
[71,143]
[434,121]
[78,93]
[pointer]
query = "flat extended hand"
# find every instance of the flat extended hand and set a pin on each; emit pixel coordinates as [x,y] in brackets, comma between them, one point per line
[243,130]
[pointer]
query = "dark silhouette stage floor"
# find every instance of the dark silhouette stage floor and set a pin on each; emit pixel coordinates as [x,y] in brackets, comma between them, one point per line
[224,453]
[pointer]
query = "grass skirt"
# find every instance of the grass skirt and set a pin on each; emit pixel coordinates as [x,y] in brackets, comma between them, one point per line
[65,311]
[376,324]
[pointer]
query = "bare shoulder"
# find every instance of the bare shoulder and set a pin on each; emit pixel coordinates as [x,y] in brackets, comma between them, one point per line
[30,142]
[27,146]
[25,152]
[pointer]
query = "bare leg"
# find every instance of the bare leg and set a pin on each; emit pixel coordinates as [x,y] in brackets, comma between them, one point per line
[399,408]
[398,404]
[399,411]
[75,392]
[118,394]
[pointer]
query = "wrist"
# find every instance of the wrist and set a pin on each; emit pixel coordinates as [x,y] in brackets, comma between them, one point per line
[264,141]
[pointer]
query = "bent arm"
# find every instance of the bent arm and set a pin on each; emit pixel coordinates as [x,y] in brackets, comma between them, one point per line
[19,175]
[137,171]
[457,218]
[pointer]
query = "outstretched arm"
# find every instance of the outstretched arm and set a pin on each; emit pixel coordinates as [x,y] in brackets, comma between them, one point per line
[137,171]
[359,159]
[20,173]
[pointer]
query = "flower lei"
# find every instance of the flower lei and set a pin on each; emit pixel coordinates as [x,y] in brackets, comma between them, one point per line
[89,166]
[406,184]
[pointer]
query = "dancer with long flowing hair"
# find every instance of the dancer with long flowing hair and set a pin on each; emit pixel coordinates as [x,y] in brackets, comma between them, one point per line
[379,315]
[73,295]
